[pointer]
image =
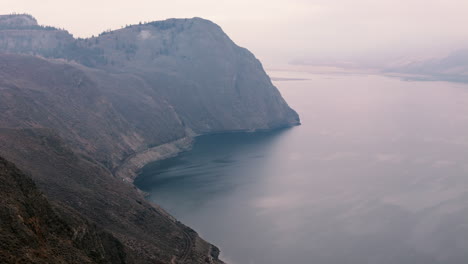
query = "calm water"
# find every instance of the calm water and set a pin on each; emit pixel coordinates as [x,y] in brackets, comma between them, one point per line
[377,174]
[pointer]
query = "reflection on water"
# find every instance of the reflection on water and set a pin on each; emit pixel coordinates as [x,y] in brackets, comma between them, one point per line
[217,165]
[377,173]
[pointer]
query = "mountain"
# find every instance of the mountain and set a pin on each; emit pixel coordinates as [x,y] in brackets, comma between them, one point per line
[150,84]
[453,67]
[82,116]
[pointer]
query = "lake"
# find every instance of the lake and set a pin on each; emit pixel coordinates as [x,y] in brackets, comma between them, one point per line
[377,174]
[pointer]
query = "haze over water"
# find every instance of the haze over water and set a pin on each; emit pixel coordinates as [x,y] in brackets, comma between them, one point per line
[376,174]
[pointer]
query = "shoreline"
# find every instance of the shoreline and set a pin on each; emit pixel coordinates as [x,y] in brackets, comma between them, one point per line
[130,167]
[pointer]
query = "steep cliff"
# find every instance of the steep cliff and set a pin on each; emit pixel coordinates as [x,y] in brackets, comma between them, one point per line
[149,85]
[82,116]
[213,84]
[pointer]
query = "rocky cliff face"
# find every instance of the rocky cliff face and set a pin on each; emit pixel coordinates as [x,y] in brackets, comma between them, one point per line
[82,116]
[213,84]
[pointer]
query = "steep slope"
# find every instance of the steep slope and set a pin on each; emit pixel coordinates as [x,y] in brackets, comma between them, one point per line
[34,231]
[150,85]
[106,116]
[177,75]
[213,84]
[148,234]
[82,116]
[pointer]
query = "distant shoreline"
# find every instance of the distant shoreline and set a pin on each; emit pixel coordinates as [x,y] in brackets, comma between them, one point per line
[288,79]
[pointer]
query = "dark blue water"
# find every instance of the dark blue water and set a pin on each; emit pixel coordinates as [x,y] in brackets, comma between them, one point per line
[377,173]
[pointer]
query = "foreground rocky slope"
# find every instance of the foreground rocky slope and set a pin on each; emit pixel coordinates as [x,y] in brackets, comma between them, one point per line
[82,116]
[148,234]
[34,231]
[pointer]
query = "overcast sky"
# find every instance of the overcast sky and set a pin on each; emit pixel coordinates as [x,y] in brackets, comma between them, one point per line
[279,31]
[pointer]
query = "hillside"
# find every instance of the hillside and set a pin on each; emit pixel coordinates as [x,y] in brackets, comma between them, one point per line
[148,85]
[149,234]
[34,231]
[82,116]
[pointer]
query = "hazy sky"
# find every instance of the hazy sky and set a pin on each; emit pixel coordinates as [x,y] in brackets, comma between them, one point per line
[281,30]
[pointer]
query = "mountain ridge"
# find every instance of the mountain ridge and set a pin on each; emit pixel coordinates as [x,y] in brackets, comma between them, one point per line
[453,67]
